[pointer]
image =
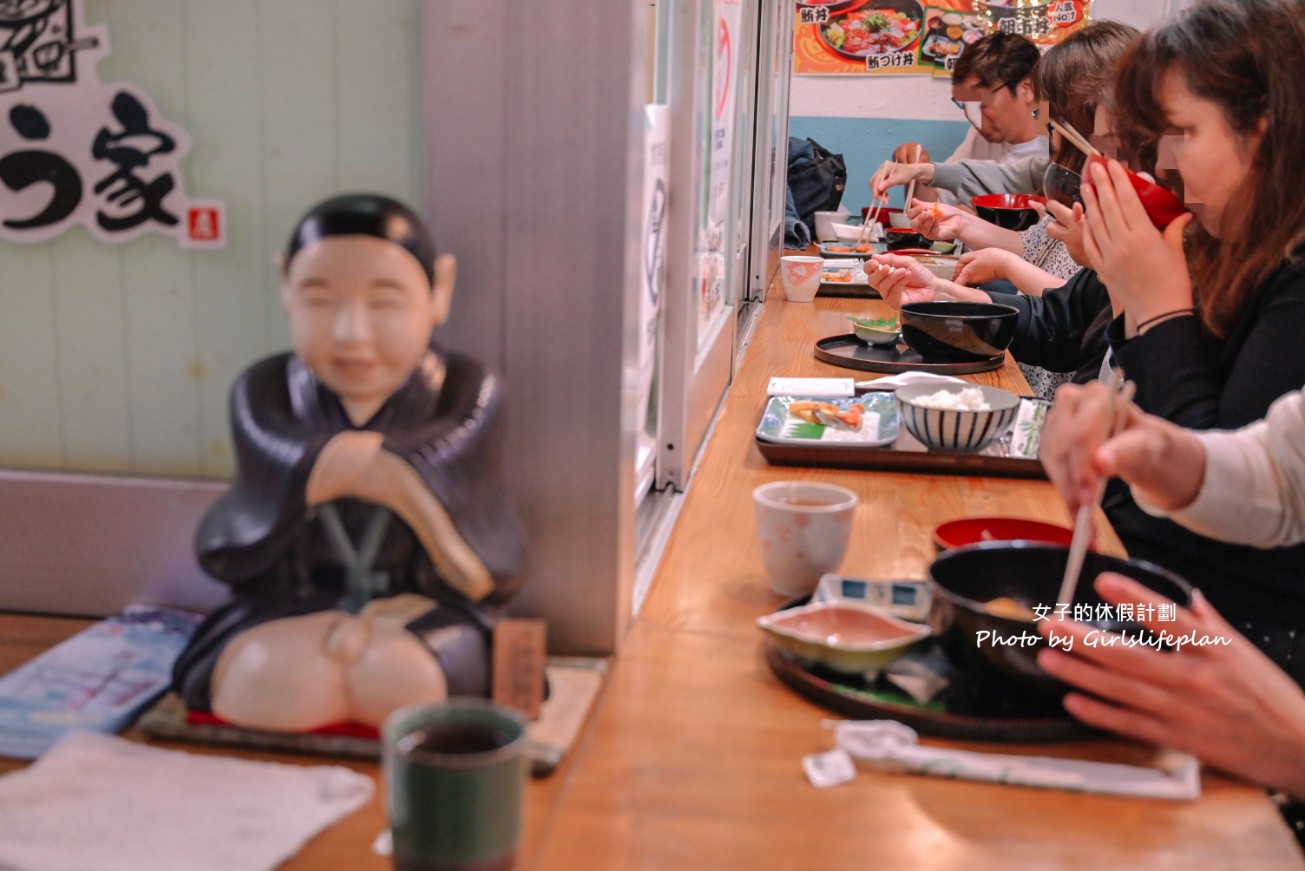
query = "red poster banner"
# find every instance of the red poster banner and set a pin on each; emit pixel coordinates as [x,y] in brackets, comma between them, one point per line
[907,37]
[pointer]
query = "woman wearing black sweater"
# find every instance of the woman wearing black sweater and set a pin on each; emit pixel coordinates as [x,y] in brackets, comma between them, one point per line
[1210,310]
[1213,307]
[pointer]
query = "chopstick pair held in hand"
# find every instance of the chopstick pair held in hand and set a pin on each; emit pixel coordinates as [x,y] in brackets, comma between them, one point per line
[1118,401]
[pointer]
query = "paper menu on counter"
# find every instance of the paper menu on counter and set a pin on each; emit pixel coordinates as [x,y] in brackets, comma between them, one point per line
[99,679]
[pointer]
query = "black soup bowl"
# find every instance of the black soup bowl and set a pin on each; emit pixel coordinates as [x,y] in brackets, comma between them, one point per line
[905,237]
[966,579]
[958,332]
[1012,211]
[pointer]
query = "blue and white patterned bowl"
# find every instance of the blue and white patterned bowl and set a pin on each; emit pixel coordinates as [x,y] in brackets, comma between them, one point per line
[945,429]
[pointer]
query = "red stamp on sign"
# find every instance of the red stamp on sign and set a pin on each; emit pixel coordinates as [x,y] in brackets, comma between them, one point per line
[204,224]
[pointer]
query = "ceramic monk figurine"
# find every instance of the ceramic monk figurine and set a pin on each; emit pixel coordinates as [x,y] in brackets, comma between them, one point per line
[367,536]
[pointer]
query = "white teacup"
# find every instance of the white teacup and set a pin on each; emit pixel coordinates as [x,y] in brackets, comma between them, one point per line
[825,225]
[804,528]
[800,276]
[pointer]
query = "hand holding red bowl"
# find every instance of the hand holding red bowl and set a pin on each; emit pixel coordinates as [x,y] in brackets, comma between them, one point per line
[1162,206]
[1143,268]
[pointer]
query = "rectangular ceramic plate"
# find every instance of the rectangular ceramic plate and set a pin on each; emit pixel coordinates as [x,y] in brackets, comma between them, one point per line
[875,248]
[878,424]
[1013,455]
[855,274]
[839,250]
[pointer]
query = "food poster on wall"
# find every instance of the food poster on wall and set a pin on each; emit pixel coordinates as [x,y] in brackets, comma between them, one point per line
[78,151]
[906,37]
[713,260]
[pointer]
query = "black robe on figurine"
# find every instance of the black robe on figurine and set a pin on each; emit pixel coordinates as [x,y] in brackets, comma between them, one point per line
[263,540]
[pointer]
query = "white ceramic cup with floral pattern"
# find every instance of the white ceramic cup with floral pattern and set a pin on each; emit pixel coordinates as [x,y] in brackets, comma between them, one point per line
[803,527]
[800,276]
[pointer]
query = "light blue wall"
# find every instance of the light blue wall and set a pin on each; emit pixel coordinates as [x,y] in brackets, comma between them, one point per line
[867,142]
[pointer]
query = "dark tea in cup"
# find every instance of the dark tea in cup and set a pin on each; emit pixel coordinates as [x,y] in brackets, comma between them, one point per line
[454,739]
[455,780]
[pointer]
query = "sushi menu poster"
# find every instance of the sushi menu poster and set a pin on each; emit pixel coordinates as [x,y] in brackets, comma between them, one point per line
[906,37]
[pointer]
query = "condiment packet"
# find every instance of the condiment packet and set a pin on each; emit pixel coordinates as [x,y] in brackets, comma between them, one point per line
[922,678]
[1026,441]
[829,769]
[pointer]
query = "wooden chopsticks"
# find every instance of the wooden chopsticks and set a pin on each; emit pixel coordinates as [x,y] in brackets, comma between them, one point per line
[1075,138]
[1120,396]
[910,187]
[870,218]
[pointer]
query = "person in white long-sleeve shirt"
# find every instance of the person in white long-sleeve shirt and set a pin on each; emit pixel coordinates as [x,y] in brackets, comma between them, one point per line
[1227,703]
[1245,486]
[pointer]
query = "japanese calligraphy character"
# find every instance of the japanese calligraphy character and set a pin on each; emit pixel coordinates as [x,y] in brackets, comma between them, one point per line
[130,150]
[22,169]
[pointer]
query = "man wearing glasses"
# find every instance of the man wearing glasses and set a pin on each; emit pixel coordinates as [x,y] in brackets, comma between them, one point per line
[992,86]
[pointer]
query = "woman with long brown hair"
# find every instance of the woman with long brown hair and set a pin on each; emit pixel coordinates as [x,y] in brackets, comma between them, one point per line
[1214,305]
[1071,81]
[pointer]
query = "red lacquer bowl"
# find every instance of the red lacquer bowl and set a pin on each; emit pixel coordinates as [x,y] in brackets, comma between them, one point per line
[957,533]
[1162,205]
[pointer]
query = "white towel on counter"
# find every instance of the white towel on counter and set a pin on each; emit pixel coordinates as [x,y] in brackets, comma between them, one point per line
[95,802]
[886,745]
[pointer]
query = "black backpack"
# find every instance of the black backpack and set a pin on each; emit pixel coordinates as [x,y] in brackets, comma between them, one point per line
[816,178]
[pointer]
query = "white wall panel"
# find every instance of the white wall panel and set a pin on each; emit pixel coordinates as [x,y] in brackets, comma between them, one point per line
[378,91]
[296,57]
[162,363]
[119,359]
[90,345]
[158,297]
[230,161]
[29,382]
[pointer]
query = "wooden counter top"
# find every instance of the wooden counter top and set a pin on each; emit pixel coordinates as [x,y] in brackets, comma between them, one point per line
[692,759]
[711,575]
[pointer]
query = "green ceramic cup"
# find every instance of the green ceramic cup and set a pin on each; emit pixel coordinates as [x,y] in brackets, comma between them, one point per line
[455,783]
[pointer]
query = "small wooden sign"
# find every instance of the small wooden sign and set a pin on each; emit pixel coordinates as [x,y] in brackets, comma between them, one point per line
[519,650]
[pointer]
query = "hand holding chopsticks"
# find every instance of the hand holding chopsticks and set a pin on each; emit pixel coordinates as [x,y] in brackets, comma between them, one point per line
[1119,397]
[910,186]
[890,174]
[868,222]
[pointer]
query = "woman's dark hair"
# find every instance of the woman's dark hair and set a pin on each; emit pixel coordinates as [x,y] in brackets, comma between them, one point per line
[365,215]
[1075,76]
[997,59]
[1244,56]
